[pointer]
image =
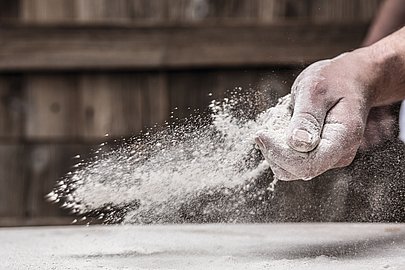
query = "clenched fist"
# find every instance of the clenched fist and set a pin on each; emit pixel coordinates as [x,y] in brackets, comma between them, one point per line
[330,103]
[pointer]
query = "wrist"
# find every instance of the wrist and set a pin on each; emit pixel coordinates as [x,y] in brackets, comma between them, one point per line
[385,64]
[368,70]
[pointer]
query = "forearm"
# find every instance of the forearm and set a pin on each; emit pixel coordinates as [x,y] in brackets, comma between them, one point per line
[390,17]
[387,64]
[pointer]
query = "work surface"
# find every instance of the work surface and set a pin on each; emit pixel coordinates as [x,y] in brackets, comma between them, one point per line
[270,246]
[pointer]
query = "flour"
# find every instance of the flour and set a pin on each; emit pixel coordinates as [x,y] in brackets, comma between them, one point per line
[275,121]
[208,246]
[204,169]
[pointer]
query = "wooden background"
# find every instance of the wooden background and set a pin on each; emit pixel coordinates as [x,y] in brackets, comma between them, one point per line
[73,70]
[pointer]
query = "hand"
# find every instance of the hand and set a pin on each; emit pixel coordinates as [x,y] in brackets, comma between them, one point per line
[331,102]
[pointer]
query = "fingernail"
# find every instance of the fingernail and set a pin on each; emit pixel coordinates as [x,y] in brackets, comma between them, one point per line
[301,135]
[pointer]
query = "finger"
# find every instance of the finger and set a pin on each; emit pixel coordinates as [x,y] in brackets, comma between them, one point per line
[276,151]
[339,143]
[281,174]
[341,138]
[263,141]
[274,147]
[312,101]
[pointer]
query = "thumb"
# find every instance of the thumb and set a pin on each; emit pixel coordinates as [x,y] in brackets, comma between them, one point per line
[312,100]
[304,131]
[305,128]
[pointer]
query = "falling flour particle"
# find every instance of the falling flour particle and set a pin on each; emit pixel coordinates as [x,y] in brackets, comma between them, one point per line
[201,171]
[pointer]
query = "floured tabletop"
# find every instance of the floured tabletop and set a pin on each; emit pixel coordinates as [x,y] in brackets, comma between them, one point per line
[213,246]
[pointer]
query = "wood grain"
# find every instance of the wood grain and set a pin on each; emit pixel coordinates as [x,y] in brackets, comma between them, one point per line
[67,48]
[46,164]
[12,180]
[189,92]
[264,86]
[46,11]
[155,98]
[11,107]
[121,104]
[149,10]
[51,106]
[343,11]
[186,11]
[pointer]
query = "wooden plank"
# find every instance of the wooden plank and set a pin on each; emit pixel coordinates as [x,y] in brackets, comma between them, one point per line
[121,104]
[102,10]
[264,86]
[149,10]
[46,164]
[126,11]
[236,9]
[189,91]
[12,181]
[116,10]
[155,99]
[270,11]
[107,104]
[11,107]
[230,79]
[187,10]
[92,11]
[68,108]
[213,10]
[295,9]
[343,11]
[46,11]
[67,48]
[89,10]
[96,92]
[51,106]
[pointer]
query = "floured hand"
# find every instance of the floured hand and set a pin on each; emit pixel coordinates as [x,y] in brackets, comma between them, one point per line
[329,107]
[330,103]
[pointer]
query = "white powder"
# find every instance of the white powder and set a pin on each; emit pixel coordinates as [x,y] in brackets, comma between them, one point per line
[153,179]
[276,119]
[213,246]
